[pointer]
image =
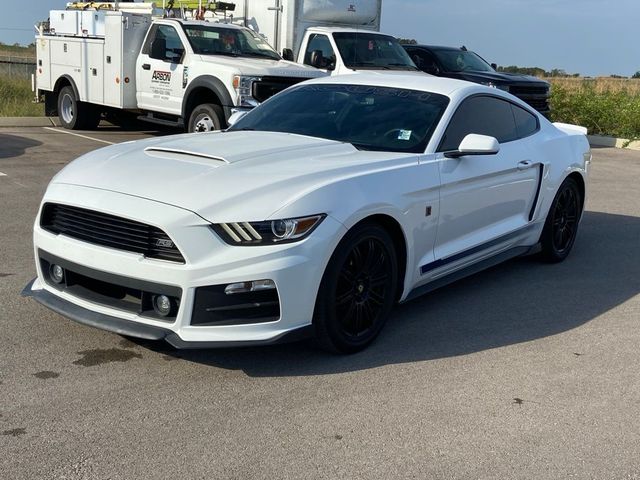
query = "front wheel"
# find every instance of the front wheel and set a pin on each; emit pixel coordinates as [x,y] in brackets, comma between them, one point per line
[357,290]
[205,118]
[561,225]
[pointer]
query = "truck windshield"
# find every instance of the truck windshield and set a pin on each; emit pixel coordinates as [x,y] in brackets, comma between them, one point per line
[368,50]
[462,61]
[220,40]
[368,117]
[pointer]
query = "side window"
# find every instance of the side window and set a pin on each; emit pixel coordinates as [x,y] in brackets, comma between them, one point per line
[526,122]
[321,43]
[424,60]
[482,115]
[164,43]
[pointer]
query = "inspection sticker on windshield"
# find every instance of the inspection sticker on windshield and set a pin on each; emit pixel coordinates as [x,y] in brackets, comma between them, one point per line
[404,134]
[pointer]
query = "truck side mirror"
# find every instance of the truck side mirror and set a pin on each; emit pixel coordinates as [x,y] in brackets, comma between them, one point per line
[287,54]
[494,66]
[158,49]
[316,59]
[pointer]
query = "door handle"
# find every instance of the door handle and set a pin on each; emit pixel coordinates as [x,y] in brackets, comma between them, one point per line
[146,66]
[523,165]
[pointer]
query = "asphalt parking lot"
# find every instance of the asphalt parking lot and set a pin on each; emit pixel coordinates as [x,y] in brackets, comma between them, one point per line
[523,371]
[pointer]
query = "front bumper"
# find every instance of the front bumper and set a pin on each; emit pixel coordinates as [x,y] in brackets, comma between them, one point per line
[296,269]
[140,330]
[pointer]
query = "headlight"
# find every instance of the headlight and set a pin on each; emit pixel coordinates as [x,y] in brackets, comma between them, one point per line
[269,232]
[242,85]
[499,87]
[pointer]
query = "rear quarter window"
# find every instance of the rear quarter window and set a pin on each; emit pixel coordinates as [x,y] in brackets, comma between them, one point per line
[526,122]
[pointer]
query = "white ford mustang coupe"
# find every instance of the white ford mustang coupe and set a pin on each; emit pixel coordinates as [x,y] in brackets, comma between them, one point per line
[311,216]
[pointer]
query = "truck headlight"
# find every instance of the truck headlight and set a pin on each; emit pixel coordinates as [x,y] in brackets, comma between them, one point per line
[243,86]
[499,87]
[268,232]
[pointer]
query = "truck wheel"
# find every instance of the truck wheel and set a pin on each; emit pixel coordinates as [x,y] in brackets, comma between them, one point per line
[205,118]
[76,115]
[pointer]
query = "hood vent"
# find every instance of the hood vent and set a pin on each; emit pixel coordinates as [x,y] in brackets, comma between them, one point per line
[181,154]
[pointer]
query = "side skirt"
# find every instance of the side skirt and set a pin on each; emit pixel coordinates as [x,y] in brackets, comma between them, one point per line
[470,270]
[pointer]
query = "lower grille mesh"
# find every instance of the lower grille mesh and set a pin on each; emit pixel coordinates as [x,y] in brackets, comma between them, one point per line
[109,231]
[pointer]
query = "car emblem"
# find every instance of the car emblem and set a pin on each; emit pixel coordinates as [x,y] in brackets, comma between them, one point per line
[164,242]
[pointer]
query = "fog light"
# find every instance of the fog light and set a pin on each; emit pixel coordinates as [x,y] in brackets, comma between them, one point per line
[57,273]
[244,287]
[162,305]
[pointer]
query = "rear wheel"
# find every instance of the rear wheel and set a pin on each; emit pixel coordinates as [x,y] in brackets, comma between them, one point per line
[74,114]
[357,290]
[205,118]
[561,225]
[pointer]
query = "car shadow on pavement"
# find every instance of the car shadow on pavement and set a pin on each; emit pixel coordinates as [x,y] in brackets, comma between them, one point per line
[14,146]
[519,301]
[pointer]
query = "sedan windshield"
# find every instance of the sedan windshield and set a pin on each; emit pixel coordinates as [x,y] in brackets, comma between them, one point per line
[236,42]
[462,61]
[368,117]
[365,50]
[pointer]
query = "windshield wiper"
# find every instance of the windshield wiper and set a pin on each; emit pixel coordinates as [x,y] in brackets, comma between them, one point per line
[226,54]
[261,55]
[406,67]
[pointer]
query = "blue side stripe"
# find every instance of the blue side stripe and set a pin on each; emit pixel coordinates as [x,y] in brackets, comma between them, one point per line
[471,251]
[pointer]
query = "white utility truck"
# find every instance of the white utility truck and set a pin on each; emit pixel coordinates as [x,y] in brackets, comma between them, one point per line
[337,36]
[128,58]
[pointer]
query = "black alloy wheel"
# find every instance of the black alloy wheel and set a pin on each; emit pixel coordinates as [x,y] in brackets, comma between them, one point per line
[357,290]
[561,226]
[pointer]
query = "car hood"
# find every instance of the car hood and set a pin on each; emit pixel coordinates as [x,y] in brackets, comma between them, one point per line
[223,176]
[500,77]
[263,66]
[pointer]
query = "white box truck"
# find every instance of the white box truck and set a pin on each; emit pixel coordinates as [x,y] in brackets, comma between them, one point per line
[132,58]
[337,36]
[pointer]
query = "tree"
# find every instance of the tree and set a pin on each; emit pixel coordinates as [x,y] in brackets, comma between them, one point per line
[636,75]
[407,41]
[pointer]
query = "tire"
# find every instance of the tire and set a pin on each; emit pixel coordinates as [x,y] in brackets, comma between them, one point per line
[357,291]
[76,115]
[205,118]
[561,225]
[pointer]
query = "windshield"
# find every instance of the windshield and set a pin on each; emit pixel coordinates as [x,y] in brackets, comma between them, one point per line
[219,40]
[362,50]
[461,61]
[370,118]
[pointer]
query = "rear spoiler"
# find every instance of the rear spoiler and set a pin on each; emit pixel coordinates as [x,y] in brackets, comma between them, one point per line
[570,129]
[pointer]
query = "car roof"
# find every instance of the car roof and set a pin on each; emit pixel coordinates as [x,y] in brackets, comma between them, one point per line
[411,81]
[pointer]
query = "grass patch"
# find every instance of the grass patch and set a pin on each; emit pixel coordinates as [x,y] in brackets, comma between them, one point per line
[16,98]
[606,106]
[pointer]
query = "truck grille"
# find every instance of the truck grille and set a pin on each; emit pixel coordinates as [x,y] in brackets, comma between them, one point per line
[110,231]
[528,90]
[540,104]
[269,86]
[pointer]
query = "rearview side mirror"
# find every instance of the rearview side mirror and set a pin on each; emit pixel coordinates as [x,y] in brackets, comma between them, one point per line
[316,59]
[287,54]
[474,144]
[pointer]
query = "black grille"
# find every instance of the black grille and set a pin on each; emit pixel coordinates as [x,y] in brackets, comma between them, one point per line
[110,231]
[269,86]
[540,104]
[528,90]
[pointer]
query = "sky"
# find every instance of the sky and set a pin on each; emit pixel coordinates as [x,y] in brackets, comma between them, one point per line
[590,37]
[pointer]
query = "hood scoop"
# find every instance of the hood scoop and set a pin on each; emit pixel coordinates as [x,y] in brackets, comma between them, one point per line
[183,155]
